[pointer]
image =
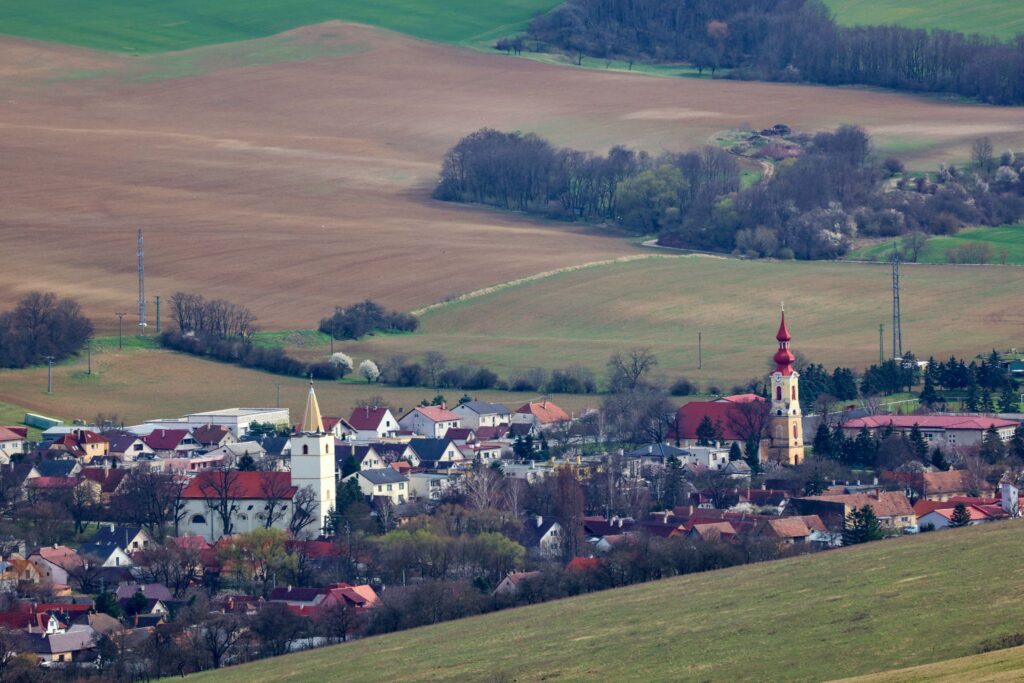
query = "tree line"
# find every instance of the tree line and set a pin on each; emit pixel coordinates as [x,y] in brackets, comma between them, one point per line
[366,317]
[783,40]
[812,207]
[42,326]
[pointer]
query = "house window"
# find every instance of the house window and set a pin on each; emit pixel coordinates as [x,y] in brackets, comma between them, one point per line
[389,487]
[198,519]
[305,449]
[793,392]
[778,393]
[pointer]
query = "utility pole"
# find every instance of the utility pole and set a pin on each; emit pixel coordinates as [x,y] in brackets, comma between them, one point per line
[881,343]
[158,315]
[897,331]
[120,330]
[700,354]
[49,374]
[142,286]
[278,395]
[89,353]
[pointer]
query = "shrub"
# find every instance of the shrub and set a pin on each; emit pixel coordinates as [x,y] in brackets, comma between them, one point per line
[972,252]
[683,387]
[574,379]
[342,362]
[42,325]
[366,318]
[369,370]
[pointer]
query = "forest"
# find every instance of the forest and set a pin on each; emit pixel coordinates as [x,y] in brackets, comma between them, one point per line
[782,40]
[826,189]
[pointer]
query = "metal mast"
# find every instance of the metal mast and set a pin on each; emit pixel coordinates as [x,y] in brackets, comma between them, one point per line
[897,332]
[142,287]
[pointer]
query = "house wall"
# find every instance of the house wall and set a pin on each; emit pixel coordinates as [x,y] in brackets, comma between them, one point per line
[239,424]
[397,492]
[420,424]
[48,572]
[244,519]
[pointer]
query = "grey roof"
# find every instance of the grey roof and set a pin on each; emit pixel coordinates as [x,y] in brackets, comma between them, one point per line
[532,533]
[152,591]
[120,535]
[274,445]
[383,476]
[55,468]
[429,449]
[101,550]
[120,441]
[485,408]
[71,641]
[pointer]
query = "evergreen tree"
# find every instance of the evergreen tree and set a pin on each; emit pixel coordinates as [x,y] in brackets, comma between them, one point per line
[862,526]
[246,463]
[823,442]
[918,443]
[673,481]
[972,401]
[960,517]
[1008,401]
[349,466]
[735,452]
[815,486]
[992,447]
[986,406]
[1017,442]
[844,386]
[939,459]
[929,396]
[107,604]
[705,432]
[864,449]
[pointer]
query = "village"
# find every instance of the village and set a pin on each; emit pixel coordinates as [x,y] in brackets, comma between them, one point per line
[239,533]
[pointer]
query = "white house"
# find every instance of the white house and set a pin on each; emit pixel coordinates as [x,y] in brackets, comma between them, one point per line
[54,563]
[476,414]
[543,536]
[426,486]
[382,483]
[430,421]
[109,554]
[11,443]
[375,422]
[707,456]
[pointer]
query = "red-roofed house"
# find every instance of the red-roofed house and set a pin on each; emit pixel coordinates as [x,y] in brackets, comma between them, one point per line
[312,602]
[725,414]
[540,414]
[83,444]
[940,518]
[109,480]
[373,423]
[172,441]
[12,443]
[251,496]
[945,430]
[213,436]
[430,421]
[339,428]
[54,563]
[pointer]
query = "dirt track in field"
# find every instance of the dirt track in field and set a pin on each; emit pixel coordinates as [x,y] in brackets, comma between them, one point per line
[295,185]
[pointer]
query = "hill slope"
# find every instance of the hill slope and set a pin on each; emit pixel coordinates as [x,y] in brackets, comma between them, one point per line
[152,26]
[999,18]
[849,612]
[1001,666]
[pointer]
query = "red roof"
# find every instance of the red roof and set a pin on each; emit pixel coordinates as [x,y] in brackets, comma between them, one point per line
[51,482]
[108,479]
[191,542]
[366,419]
[8,434]
[210,434]
[165,439]
[244,485]
[546,412]
[582,564]
[784,357]
[690,415]
[437,414]
[929,422]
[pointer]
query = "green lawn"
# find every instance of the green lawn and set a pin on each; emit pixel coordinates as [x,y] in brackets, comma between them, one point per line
[1001,666]
[14,416]
[887,605]
[159,25]
[1007,241]
[1000,18]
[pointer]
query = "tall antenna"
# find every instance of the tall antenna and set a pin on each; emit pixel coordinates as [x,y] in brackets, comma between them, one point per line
[142,287]
[897,332]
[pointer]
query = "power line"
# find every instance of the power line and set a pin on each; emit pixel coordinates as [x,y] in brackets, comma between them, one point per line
[897,328]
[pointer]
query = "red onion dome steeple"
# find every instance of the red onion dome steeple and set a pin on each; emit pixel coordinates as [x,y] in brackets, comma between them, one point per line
[784,358]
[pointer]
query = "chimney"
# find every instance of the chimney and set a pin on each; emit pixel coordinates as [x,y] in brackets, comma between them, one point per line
[111,526]
[876,481]
[540,521]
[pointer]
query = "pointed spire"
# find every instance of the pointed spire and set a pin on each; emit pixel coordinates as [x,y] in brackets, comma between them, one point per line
[312,423]
[783,334]
[783,357]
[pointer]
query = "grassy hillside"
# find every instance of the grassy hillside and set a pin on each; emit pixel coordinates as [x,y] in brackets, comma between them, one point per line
[834,309]
[999,18]
[1001,666]
[886,605]
[1008,239]
[156,26]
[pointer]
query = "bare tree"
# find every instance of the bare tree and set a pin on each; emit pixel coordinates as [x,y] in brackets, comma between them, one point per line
[434,363]
[569,503]
[303,511]
[86,573]
[982,155]
[914,242]
[626,372]
[219,490]
[276,492]
[218,636]
[150,499]
[750,422]
[484,487]
[338,622]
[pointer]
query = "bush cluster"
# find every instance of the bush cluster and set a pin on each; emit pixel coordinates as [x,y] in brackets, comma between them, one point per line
[41,326]
[367,317]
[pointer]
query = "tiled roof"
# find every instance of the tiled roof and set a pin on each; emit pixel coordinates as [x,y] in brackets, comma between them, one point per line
[8,435]
[366,419]
[974,422]
[108,479]
[545,412]
[210,434]
[382,476]
[885,504]
[241,485]
[165,439]
[724,414]
[953,481]
[485,408]
[51,483]
[55,468]
[436,413]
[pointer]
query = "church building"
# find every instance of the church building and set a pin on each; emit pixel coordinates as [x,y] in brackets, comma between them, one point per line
[252,500]
[785,430]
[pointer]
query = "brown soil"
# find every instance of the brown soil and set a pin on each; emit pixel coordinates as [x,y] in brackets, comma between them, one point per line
[296,185]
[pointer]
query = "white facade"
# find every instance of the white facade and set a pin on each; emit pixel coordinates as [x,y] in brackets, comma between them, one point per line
[422,424]
[475,415]
[313,466]
[238,420]
[201,520]
[430,486]
[709,457]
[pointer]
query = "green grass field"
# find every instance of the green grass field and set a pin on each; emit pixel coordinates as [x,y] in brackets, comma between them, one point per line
[1001,666]
[154,26]
[1007,246]
[1000,18]
[887,605]
[585,315]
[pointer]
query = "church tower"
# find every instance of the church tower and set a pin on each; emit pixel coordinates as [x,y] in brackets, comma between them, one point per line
[313,463]
[785,426]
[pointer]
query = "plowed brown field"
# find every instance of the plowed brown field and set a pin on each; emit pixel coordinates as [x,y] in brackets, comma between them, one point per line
[294,172]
